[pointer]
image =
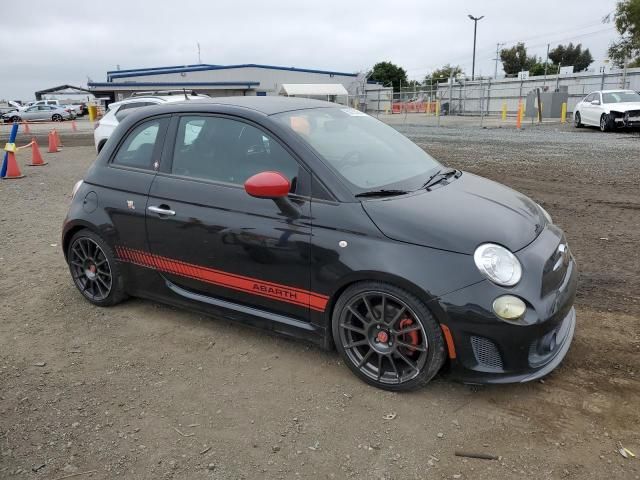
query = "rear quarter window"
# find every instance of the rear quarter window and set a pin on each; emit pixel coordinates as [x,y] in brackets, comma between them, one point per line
[141,144]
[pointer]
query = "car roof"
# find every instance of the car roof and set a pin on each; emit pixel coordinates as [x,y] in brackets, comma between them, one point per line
[617,90]
[268,105]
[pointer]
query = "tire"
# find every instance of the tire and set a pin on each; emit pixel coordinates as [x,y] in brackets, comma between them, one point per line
[402,350]
[577,120]
[57,117]
[606,124]
[15,119]
[94,269]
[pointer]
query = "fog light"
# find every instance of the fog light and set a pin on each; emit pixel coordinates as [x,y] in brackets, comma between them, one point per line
[509,307]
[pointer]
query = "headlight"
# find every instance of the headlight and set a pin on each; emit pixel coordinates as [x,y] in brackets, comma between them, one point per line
[498,264]
[546,214]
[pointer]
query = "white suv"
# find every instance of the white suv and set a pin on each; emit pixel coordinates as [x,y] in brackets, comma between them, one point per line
[118,110]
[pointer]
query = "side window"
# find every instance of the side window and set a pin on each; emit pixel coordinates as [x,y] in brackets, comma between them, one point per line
[137,149]
[127,108]
[230,151]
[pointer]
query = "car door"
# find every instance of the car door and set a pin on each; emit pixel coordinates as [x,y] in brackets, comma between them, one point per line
[30,113]
[586,109]
[207,236]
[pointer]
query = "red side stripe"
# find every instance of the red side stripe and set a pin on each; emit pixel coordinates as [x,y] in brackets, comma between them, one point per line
[250,285]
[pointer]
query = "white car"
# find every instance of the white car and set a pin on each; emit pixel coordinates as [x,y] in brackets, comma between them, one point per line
[118,110]
[608,109]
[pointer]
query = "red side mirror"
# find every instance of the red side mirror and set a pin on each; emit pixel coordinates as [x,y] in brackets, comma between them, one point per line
[267,185]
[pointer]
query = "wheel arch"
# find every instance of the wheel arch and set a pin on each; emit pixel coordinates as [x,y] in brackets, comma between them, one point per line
[385,277]
[70,230]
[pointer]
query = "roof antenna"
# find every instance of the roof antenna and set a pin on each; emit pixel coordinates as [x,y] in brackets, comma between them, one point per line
[186,97]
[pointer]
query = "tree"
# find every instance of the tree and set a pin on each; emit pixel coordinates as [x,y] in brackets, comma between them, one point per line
[627,20]
[444,73]
[515,59]
[571,55]
[387,72]
[538,69]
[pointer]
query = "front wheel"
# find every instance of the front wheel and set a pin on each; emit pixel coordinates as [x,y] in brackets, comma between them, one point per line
[577,120]
[94,269]
[606,124]
[15,119]
[387,336]
[57,117]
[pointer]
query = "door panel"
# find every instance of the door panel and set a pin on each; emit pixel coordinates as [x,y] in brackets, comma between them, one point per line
[225,244]
[218,240]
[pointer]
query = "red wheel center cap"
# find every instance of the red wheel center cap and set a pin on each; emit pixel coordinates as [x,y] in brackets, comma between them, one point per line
[92,268]
[382,337]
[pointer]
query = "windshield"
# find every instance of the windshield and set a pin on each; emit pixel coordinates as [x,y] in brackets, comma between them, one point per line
[365,152]
[620,97]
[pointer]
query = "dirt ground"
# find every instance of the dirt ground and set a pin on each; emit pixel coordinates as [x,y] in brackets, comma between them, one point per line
[145,391]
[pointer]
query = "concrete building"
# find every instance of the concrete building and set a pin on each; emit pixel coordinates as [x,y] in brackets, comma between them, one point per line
[226,80]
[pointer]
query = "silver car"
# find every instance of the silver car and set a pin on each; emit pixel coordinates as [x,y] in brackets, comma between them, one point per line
[38,113]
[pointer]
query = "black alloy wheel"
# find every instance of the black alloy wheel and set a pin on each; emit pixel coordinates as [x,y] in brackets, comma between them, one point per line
[94,269]
[15,119]
[56,117]
[387,336]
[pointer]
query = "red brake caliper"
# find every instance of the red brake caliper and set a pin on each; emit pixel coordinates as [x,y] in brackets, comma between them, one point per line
[411,338]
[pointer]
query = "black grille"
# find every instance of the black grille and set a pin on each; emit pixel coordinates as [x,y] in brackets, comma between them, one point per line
[486,353]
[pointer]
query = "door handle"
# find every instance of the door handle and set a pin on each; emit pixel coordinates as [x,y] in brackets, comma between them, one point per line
[161,210]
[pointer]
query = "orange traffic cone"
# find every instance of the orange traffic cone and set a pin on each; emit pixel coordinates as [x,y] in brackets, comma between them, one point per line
[74,127]
[36,157]
[58,141]
[26,127]
[53,143]
[13,171]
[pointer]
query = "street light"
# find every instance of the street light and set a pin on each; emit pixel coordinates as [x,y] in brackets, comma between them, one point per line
[475,30]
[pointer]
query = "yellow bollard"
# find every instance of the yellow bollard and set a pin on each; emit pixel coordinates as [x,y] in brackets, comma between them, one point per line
[563,116]
[504,111]
[437,108]
[93,112]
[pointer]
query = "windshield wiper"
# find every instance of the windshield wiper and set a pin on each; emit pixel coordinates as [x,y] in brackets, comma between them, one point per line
[381,193]
[438,177]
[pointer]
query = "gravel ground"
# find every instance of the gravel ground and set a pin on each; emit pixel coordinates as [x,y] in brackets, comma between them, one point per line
[142,390]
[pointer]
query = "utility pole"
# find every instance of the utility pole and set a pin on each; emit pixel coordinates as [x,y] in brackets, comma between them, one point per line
[546,65]
[495,73]
[199,59]
[475,32]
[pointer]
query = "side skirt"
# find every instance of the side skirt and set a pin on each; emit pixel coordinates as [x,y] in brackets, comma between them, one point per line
[253,316]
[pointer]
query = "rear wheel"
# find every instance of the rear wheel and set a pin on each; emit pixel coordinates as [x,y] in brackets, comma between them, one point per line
[387,336]
[94,269]
[577,120]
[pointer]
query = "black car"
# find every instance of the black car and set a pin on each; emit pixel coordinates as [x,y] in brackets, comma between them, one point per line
[317,221]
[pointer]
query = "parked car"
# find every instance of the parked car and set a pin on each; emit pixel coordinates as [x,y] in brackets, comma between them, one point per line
[39,113]
[118,110]
[310,219]
[609,109]
[76,108]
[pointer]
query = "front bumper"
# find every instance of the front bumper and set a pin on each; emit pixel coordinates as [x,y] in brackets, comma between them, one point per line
[490,350]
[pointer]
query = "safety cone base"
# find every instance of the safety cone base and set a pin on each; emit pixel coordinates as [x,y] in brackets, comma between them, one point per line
[15,177]
[37,164]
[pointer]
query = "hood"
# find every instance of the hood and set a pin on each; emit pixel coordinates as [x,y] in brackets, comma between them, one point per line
[623,107]
[459,216]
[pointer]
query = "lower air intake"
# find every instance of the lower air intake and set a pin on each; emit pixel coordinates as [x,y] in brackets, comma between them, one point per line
[486,353]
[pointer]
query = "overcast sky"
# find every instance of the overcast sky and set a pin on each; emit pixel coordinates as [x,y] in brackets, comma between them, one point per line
[48,43]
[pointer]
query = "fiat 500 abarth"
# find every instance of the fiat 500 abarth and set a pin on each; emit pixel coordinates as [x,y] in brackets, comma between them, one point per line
[318,221]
